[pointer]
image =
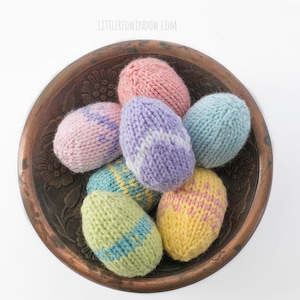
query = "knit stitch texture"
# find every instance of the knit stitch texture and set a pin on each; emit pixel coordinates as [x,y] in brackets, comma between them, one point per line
[155,144]
[88,138]
[116,177]
[121,234]
[154,78]
[219,125]
[190,218]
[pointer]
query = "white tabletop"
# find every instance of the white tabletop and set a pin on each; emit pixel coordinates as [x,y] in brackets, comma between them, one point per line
[258,41]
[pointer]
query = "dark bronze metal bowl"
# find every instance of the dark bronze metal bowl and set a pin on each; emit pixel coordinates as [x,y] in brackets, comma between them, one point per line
[52,195]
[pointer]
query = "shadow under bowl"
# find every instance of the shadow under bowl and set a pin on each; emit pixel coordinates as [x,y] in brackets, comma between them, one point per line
[52,195]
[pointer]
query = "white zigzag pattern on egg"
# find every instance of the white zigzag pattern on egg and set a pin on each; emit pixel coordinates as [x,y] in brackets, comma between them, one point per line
[146,143]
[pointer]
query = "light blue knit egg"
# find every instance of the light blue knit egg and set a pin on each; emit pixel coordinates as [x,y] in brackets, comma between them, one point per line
[219,125]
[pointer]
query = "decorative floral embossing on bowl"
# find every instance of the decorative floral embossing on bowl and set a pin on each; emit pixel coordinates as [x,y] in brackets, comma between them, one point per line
[52,195]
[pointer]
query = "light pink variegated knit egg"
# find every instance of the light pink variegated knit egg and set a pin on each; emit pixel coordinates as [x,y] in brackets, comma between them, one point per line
[154,78]
[88,138]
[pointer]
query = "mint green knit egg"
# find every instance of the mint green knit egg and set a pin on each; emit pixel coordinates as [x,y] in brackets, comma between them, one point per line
[116,177]
[119,232]
[219,125]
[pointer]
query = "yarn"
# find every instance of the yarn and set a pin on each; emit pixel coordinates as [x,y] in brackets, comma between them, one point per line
[121,234]
[116,177]
[219,125]
[153,78]
[88,138]
[190,218]
[155,144]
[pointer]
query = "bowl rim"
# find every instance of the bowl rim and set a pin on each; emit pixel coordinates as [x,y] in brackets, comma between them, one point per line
[146,284]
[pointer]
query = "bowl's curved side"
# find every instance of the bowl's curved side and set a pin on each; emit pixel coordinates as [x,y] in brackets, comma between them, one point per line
[52,195]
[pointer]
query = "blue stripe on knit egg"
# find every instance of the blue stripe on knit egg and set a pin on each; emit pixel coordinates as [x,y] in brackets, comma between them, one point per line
[100,118]
[128,243]
[103,120]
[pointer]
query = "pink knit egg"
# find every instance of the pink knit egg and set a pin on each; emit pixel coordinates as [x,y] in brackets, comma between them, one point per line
[88,138]
[154,78]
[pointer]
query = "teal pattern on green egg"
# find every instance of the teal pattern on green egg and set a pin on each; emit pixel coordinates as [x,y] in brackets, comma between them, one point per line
[121,234]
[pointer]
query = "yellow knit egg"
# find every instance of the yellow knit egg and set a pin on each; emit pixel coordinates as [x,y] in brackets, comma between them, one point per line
[190,218]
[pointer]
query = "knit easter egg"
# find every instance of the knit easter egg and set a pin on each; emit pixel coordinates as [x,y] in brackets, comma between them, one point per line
[121,234]
[88,138]
[219,125]
[116,177]
[154,78]
[156,146]
[190,218]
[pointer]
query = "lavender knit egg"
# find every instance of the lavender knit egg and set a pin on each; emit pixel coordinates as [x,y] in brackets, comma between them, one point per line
[219,125]
[88,138]
[156,146]
[154,78]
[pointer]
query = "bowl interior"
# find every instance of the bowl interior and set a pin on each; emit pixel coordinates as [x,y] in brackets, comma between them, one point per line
[53,195]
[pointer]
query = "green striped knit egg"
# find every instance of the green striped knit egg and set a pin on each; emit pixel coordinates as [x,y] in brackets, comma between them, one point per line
[121,234]
[116,177]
